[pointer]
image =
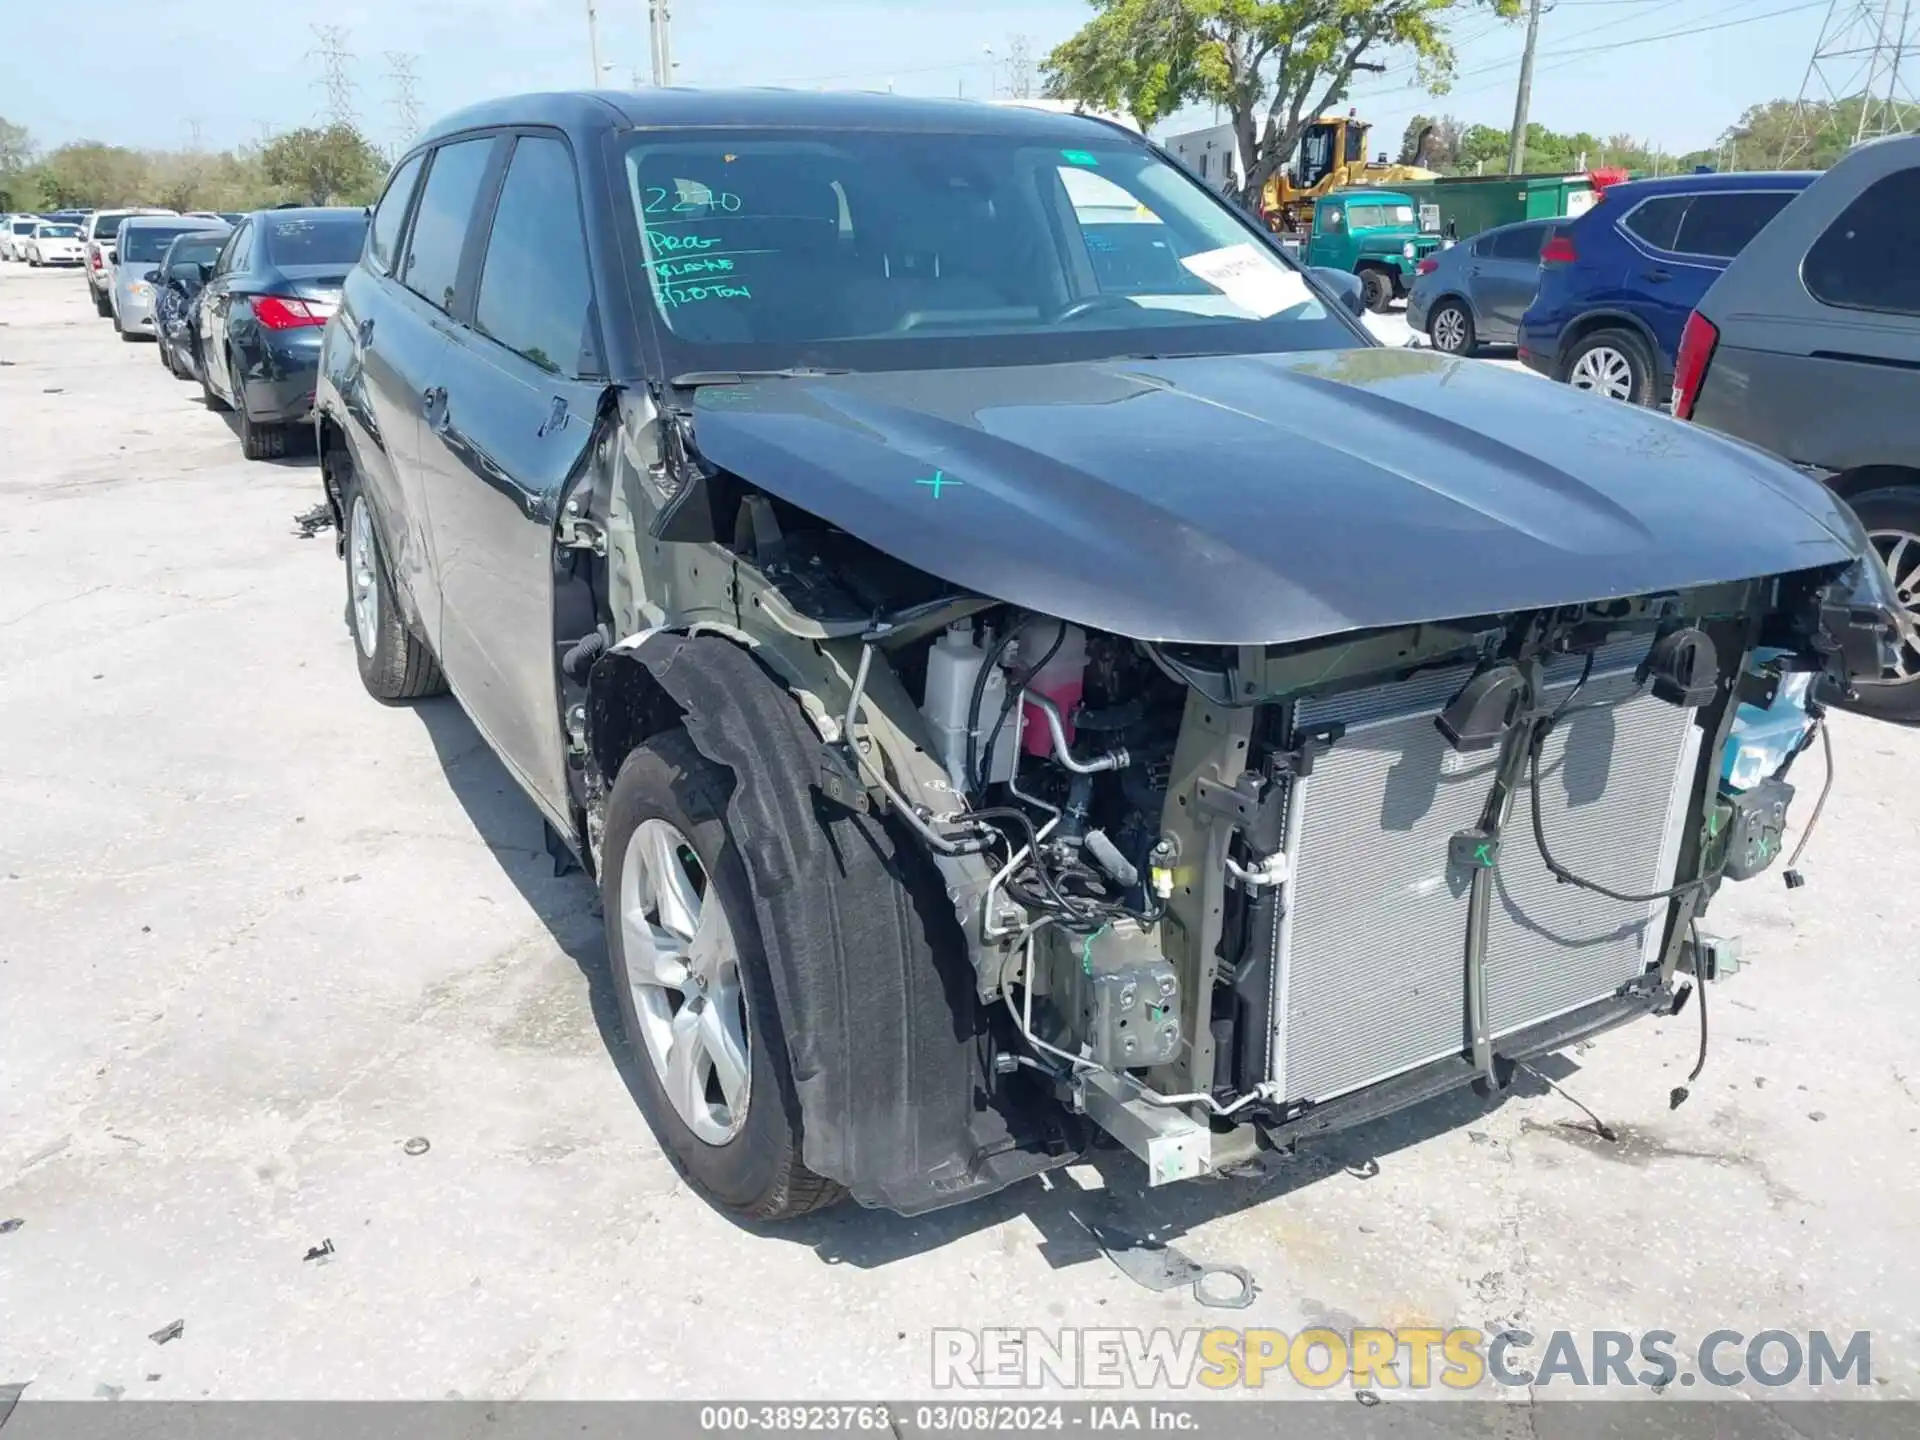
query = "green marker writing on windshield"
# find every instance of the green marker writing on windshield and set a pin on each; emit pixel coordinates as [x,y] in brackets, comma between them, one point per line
[938,481]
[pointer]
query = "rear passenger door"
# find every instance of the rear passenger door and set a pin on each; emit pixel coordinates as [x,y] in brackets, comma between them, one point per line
[212,307]
[522,387]
[1507,265]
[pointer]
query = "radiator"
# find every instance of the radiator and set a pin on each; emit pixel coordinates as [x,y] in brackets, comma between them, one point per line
[1370,972]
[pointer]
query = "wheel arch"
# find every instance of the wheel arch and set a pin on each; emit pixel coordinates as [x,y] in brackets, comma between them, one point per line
[1585,324]
[1849,484]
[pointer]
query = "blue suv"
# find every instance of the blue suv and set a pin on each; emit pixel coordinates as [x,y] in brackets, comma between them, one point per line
[1617,284]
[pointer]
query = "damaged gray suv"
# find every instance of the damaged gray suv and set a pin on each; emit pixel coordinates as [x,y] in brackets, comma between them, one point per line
[1024,668]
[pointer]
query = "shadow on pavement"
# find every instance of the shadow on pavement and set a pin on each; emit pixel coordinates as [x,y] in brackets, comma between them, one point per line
[1062,1205]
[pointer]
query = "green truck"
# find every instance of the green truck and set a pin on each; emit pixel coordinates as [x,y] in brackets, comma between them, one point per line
[1373,233]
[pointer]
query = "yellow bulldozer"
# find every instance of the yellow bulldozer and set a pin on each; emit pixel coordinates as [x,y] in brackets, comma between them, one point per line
[1332,155]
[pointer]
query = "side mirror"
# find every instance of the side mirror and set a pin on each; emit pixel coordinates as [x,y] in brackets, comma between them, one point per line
[151,277]
[204,269]
[1346,286]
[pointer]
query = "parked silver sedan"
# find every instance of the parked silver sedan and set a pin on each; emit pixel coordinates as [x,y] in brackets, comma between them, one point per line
[1475,293]
[142,244]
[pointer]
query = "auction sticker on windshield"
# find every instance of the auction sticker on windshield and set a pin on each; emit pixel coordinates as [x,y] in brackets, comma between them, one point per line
[1253,281]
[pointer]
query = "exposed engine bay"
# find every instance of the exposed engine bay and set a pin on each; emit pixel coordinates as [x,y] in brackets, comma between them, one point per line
[1221,896]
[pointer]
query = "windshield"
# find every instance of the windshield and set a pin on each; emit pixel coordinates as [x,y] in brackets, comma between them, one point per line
[316,240]
[59,232]
[1378,217]
[872,250]
[144,244]
[106,223]
[195,251]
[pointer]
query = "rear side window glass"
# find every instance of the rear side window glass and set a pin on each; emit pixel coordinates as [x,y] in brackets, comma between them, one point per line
[440,225]
[1869,257]
[236,247]
[392,209]
[1657,221]
[1722,225]
[1520,244]
[535,294]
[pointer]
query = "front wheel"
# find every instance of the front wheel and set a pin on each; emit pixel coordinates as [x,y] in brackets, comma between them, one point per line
[695,995]
[1376,288]
[394,663]
[1613,363]
[1892,521]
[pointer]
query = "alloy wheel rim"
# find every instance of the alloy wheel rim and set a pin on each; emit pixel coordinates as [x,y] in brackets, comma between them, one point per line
[362,579]
[1605,371]
[1899,551]
[683,971]
[1449,329]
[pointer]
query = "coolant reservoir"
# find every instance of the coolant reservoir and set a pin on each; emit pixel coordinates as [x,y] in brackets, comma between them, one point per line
[1061,679]
[953,667]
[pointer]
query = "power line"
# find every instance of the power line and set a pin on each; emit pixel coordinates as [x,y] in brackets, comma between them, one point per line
[335,78]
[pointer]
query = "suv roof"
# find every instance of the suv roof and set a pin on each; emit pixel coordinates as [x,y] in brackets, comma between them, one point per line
[1709,182]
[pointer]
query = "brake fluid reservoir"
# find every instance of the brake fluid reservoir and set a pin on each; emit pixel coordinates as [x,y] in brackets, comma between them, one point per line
[953,668]
[1061,679]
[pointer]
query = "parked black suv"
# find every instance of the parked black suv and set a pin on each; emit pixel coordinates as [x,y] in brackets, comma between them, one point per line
[1004,698]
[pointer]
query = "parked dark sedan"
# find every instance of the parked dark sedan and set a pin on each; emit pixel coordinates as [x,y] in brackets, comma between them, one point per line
[999,707]
[178,279]
[257,322]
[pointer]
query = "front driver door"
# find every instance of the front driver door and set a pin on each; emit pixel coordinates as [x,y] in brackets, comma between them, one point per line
[212,311]
[513,414]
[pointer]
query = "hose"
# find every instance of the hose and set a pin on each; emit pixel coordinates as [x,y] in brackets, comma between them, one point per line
[1013,699]
[1826,788]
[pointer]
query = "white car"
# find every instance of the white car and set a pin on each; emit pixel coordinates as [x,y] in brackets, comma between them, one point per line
[13,236]
[52,243]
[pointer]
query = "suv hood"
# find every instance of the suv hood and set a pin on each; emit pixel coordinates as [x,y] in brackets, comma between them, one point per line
[1265,499]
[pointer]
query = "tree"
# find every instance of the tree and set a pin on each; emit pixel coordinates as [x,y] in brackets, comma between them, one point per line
[90,174]
[1272,65]
[330,166]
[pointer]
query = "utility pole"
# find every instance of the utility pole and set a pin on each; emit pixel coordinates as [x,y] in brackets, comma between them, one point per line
[1517,142]
[660,37]
[593,43]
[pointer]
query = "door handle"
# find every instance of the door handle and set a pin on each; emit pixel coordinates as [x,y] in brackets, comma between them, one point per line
[433,395]
[1656,275]
[366,331]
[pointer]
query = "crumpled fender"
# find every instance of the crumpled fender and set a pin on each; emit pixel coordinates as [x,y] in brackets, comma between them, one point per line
[891,1052]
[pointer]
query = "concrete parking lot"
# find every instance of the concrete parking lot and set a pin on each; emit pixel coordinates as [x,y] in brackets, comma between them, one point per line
[258,933]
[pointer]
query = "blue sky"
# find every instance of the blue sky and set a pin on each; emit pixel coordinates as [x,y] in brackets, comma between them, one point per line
[145,86]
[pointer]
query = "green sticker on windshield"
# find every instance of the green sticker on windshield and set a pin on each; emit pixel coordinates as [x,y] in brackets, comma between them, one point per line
[1079,157]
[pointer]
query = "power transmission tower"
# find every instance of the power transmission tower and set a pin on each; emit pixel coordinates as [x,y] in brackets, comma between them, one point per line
[1860,55]
[1517,141]
[660,36]
[405,99]
[335,77]
[1019,68]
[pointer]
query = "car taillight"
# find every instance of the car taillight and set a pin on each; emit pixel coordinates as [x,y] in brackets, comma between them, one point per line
[1427,266]
[96,260]
[1559,250]
[1698,340]
[283,312]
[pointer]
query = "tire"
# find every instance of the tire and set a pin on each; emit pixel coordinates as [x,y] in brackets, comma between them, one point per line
[166,355]
[1892,519]
[257,441]
[670,800]
[1614,363]
[395,664]
[1454,321]
[130,336]
[102,306]
[1376,288]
